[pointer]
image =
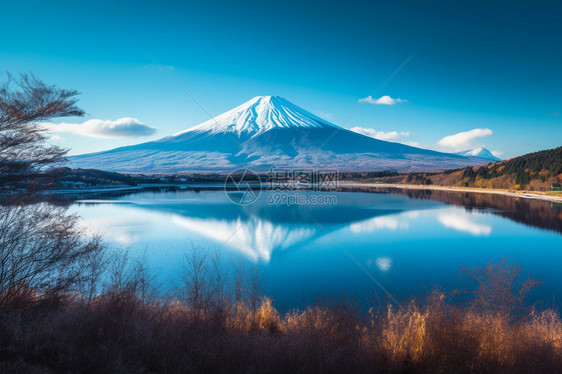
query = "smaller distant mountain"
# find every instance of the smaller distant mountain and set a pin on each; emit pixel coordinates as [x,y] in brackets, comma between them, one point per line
[479,152]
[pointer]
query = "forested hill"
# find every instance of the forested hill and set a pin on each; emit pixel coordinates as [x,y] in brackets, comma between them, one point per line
[549,160]
[534,171]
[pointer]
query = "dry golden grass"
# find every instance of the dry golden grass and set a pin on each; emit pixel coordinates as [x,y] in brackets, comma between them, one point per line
[404,334]
[120,332]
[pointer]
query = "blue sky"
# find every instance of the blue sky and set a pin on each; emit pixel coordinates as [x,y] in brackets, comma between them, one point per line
[474,65]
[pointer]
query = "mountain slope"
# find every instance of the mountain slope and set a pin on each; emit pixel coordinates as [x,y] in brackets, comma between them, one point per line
[269,132]
[480,152]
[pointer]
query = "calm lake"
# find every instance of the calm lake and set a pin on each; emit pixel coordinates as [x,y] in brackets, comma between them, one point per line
[409,242]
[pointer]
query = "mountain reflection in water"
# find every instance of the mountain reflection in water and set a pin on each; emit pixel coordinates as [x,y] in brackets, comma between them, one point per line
[259,229]
[410,241]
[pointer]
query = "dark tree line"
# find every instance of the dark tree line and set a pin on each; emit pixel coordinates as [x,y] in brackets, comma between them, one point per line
[550,159]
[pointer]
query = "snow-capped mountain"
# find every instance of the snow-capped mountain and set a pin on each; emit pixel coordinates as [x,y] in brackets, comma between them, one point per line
[268,132]
[480,152]
[261,114]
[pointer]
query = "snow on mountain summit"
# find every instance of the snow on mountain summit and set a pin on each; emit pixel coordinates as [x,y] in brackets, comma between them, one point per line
[258,115]
[479,152]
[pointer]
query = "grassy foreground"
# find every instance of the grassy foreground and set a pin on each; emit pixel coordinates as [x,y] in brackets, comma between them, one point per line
[119,332]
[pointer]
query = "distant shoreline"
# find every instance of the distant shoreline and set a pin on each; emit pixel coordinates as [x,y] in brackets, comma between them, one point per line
[513,193]
[524,194]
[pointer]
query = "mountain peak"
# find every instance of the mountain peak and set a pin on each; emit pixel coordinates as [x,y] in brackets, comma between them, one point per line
[267,98]
[258,115]
[480,152]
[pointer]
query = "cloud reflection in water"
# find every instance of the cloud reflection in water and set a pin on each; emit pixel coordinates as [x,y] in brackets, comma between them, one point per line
[461,221]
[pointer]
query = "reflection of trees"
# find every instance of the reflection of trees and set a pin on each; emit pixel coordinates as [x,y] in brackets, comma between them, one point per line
[532,212]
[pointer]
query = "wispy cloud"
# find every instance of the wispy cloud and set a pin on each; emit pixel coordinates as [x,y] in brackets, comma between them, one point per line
[97,128]
[383,100]
[325,115]
[463,140]
[381,135]
[413,144]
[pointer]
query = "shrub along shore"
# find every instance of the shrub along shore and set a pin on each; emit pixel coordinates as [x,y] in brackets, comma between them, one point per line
[224,324]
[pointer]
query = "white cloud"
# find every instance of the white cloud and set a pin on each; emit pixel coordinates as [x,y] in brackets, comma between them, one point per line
[383,100]
[56,138]
[463,140]
[413,144]
[97,128]
[497,152]
[381,135]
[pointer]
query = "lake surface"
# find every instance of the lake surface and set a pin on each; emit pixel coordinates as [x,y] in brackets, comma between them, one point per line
[407,241]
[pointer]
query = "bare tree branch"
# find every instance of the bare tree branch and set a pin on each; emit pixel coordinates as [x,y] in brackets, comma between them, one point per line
[24,103]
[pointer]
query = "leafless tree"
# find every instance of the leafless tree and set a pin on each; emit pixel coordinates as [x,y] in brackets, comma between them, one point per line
[24,103]
[255,290]
[93,266]
[239,270]
[197,281]
[500,287]
[41,251]
[131,276]
[218,282]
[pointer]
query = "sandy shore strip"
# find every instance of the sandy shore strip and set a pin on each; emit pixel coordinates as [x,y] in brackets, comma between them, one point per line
[524,194]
